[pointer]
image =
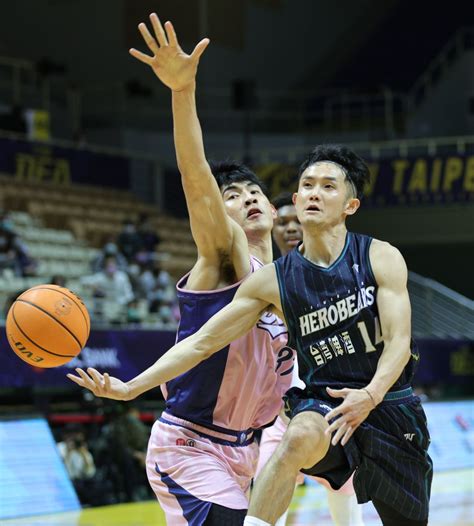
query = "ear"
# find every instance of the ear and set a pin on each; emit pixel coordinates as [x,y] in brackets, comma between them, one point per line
[274,212]
[293,198]
[352,206]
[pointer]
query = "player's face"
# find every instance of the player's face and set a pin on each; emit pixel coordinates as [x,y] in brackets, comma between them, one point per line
[248,206]
[287,231]
[324,197]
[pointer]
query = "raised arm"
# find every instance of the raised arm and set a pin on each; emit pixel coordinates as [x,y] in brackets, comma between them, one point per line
[213,231]
[255,295]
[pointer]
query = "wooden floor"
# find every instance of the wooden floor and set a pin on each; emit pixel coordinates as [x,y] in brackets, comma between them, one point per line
[452,504]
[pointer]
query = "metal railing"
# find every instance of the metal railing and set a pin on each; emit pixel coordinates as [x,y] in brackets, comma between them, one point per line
[439,312]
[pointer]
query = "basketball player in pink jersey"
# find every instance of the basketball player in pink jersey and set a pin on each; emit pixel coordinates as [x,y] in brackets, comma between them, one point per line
[287,234]
[202,454]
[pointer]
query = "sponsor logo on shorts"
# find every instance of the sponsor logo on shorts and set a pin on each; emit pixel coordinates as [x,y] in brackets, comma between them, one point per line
[180,442]
[409,436]
[190,442]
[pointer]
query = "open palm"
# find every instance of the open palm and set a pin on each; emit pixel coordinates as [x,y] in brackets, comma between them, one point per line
[170,63]
[101,385]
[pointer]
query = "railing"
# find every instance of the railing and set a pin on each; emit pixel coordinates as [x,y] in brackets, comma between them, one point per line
[463,40]
[306,111]
[439,311]
[291,154]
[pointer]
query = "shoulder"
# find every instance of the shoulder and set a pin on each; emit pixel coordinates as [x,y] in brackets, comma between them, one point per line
[387,262]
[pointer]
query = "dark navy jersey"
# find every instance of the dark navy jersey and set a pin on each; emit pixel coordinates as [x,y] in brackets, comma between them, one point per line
[333,320]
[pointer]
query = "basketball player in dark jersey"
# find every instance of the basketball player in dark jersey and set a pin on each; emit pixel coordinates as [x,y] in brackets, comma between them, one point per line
[345,302]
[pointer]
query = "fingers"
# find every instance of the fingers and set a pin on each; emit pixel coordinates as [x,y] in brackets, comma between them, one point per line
[149,40]
[200,48]
[337,393]
[348,434]
[96,377]
[339,433]
[337,411]
[88,383]
[107,382]
[171,34]
[146,59]
[158,28]
[76,379]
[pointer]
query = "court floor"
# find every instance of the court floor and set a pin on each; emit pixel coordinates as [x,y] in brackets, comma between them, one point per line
[452,504]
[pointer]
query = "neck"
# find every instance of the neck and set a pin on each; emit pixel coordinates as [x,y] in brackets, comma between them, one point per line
[323,247]
[261,247]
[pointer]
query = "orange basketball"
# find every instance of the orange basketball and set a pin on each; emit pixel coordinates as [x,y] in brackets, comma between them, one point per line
[47,326]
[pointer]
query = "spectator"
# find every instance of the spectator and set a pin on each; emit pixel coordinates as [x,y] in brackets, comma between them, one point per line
[110,249]
[59,280]
[14,255]
[149,239]
[79,462]
[112,287]
[126,439]
[129,241]
[159,290]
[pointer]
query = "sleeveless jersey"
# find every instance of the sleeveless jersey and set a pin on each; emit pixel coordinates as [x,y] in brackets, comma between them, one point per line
[241,386]
[333,319]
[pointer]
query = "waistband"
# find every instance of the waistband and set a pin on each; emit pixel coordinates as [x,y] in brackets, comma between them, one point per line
[398,397]
[230,438]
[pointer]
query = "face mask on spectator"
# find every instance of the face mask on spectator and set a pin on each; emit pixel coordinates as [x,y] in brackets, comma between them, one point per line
[111,268]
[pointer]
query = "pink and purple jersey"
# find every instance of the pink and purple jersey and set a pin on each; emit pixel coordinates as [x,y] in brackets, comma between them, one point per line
[240,387]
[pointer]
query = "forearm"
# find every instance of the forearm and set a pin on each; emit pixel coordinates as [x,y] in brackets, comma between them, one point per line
[183,356]
[394,357]
[188,138]
[227,325]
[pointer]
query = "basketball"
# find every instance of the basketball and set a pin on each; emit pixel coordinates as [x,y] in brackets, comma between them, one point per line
[47,326]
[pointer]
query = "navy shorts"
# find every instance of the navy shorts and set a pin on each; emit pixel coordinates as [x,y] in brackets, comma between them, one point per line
[388,452]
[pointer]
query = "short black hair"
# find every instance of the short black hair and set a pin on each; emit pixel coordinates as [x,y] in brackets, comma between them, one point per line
[283,199]
[229,171]
[356,170]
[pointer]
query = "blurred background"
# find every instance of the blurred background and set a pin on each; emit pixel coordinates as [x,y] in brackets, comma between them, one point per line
[90,196]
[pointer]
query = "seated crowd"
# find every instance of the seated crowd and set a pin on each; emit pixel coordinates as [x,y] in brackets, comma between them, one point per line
[126,284]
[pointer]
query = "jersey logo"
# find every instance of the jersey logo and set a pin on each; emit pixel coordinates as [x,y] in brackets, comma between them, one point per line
[270,323]
[355,266]
[409,436]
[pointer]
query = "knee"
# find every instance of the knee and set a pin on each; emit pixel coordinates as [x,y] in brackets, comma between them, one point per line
[304,443]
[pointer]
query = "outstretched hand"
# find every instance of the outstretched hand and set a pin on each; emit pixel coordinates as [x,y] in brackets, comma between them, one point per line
[350,414]
[169,62]
[101,385]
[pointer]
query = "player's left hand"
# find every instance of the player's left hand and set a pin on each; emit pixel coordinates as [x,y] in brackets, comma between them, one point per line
[349,415]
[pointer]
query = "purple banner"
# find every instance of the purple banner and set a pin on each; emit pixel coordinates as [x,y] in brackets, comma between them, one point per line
[126,353]
[122,353]
[448,362]
[40,162]
[399,180]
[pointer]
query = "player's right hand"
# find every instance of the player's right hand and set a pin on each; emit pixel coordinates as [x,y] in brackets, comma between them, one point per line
[169,62]
[101,385]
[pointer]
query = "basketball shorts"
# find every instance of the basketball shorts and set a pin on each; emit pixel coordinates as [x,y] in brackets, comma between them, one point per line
[271,437]
[388,452]
[191,467]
